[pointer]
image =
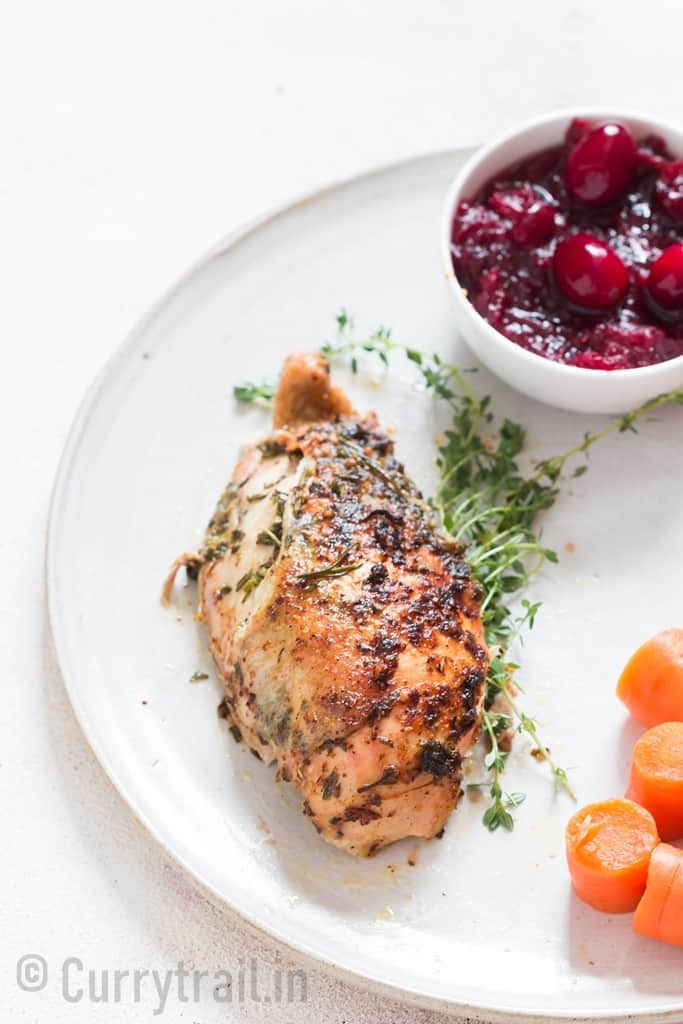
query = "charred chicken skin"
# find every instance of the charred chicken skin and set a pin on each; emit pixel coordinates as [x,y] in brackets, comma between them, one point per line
[344,625]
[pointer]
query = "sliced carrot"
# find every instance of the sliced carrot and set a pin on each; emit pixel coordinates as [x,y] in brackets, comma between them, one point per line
[656,780]
[651,685]
[659,914]
[608,850]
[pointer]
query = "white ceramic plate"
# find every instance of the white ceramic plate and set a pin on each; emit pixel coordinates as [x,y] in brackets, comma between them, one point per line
[484,925]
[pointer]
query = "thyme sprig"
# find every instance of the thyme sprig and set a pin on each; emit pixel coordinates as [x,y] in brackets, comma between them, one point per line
[497,814]
[487,502]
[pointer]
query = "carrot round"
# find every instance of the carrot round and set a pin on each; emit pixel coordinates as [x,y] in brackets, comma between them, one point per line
[656,780]
[608,850]
[659,915]
[651,685]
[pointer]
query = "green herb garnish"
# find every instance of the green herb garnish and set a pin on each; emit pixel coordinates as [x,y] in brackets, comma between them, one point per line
[250,580]
[269,537]
[263,393]
[486,502]
[337,568]
[351,448]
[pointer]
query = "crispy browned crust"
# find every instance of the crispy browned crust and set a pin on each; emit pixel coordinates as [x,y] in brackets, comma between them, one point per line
[306,394]
[412,594]
[345,625]
[364,687]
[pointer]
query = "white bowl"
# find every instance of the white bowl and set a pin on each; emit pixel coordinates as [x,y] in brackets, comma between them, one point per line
[569,387]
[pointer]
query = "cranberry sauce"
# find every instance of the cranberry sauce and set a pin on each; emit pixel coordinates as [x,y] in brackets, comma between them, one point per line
[576,253]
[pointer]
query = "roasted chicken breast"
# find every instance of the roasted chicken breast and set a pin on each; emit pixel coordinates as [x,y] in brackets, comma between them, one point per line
[344,625]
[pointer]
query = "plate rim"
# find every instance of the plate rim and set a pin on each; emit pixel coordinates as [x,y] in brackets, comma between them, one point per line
[484,1012]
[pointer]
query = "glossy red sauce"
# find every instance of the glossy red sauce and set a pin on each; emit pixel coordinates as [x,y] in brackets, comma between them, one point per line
[562,253]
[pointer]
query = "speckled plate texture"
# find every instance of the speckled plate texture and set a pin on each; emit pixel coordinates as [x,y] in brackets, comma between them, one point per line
[483,925]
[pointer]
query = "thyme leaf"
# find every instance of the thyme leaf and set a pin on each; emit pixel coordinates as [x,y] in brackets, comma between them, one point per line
[337,568]
[250,580]
[269,537]
[261,393]
[372,464]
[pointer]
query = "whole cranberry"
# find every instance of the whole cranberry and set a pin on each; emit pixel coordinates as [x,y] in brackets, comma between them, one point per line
[669,189]
[665,283]
[577,128]
[535,226]
[601,164]
[589,273]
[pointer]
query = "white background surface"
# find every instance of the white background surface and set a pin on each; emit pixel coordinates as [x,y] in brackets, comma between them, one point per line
[134,135]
